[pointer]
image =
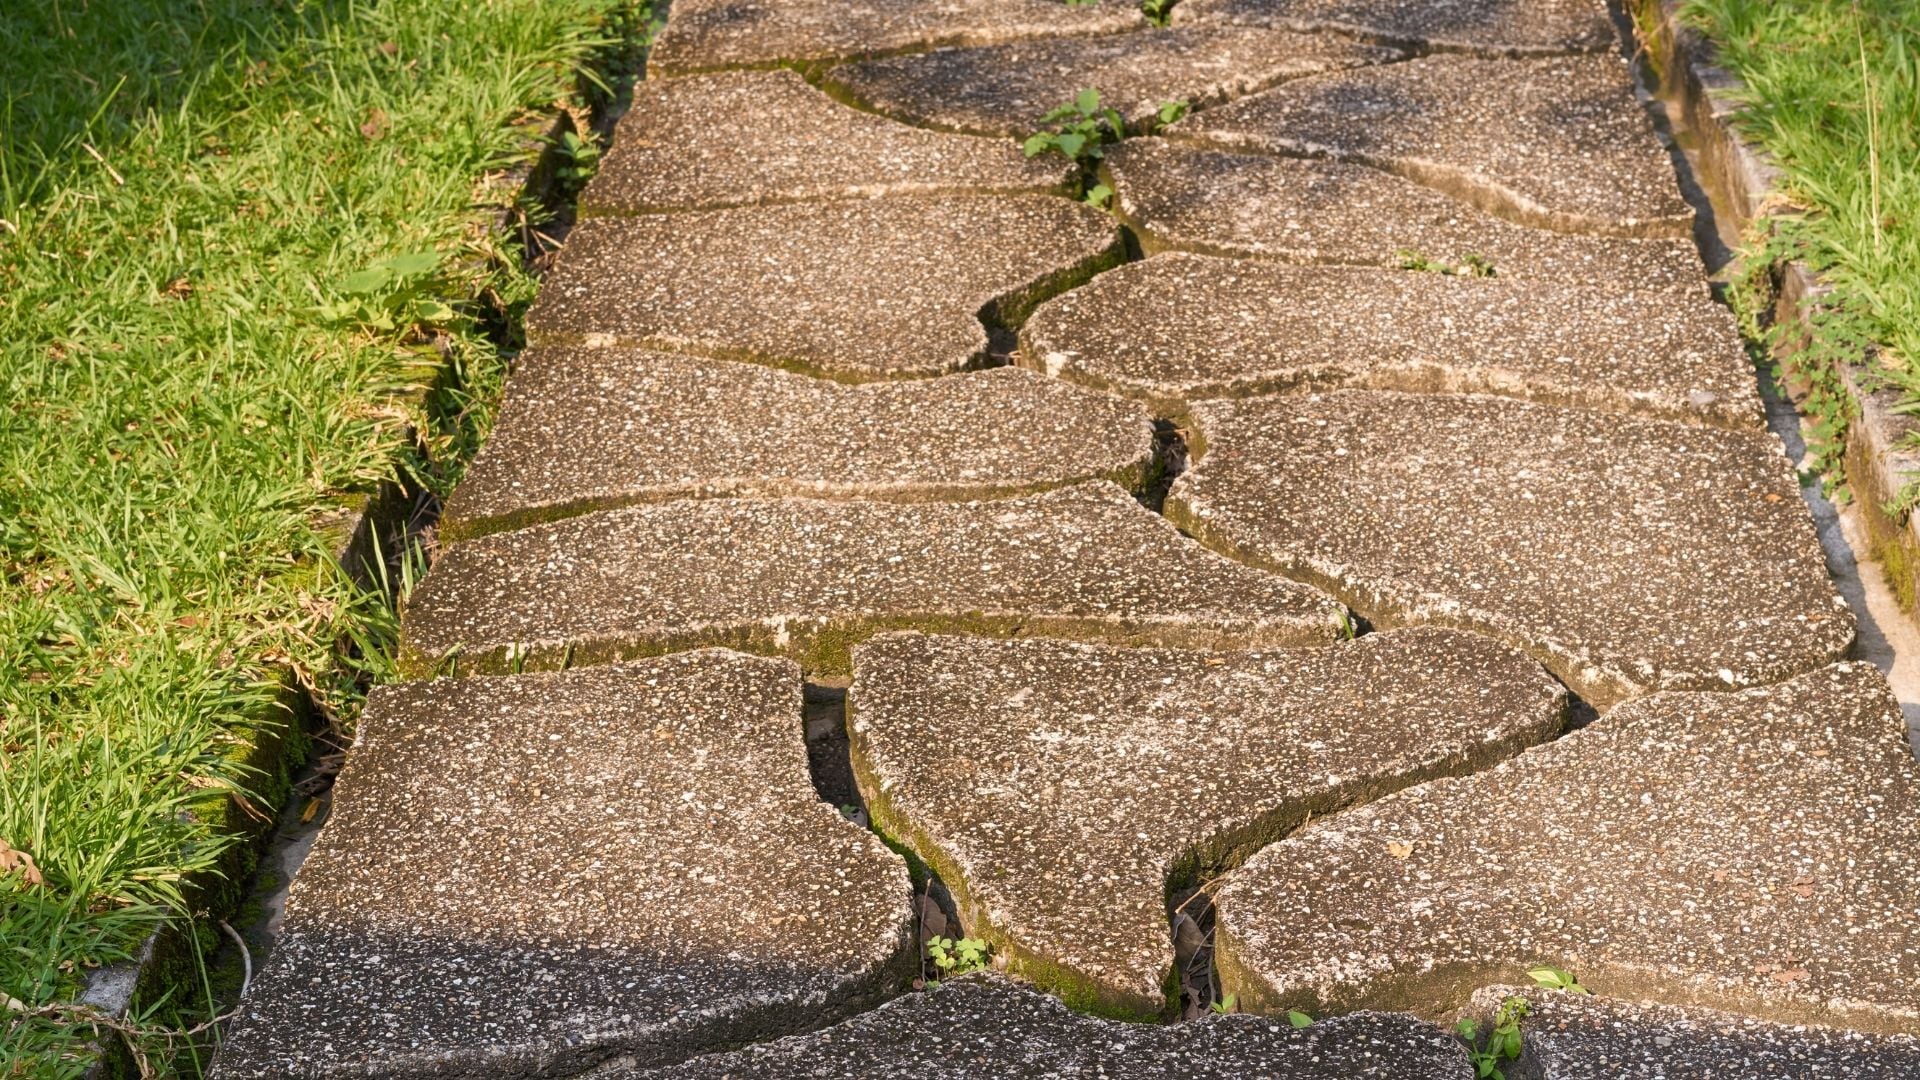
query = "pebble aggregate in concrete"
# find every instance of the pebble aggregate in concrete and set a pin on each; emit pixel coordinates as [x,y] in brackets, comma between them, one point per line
[1753,851]
[1058,788]
[1627,555]
[809,577]
[1558,143]
[1179,327]
[867,289]
[525,875]
[1006,89]
[1492,27]
[1308,211]
[682,146]
[702,35]
[587,428]
[982,1027]
[1575,1037]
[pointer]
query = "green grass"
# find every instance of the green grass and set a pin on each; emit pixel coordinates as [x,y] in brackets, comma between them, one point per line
[190,191]
[1833,91]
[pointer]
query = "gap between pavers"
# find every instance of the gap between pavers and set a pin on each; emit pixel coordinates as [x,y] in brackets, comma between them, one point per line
[810,578]
[585,429]
[1179,327]
[527,875]
[1065,792]
[1488,27]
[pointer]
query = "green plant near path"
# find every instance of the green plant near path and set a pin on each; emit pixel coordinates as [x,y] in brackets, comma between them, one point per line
[955,958]
[1499,1044]
[1081,131]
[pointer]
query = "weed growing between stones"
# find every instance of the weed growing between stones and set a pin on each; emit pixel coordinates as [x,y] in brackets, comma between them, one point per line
[1500,1043]
[1082,129]
[954,958]
[1469,265]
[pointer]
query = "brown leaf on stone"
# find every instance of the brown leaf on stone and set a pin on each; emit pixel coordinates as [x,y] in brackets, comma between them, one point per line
[375,125]
[1792,975]
[13,861]
[1804,886]
[1399,850]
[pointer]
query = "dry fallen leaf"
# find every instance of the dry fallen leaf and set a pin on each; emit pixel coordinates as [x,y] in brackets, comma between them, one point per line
[1791,976]
[12,861]
[1804,886]
[376,124]
[1399,850]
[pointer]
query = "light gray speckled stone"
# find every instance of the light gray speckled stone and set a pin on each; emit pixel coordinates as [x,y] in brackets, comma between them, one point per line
[982,1027]
[1097,780]
[1558,143]
[1309,211]
[1006,89]
[1753,851]
[1492,27]
[595,428]
[1574,1037]
[524,876]
[810,578]
[1628,555]
[1179,327]
[702,35]
[867,289]
[683,146]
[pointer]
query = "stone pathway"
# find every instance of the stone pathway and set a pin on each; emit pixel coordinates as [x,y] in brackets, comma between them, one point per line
[1094,522]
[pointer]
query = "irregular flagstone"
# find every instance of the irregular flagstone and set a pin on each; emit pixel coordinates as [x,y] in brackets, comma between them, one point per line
[1179,327]
[868,289]
[1495,27]
[523,876]
[983,1026]
[1576,1037]
[810,578]
[1559,143]
[1063,791]
[702,35]
[1309,211]
[595,428]
[1753,851]
[1006,89]
[1627,555]
[679,148]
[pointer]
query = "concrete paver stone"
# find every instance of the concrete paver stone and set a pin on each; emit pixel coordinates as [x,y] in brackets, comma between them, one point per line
[859,290]
[1627,555]
[745,137]
[1006,89]
[596,428]
[1558,143]
[526,875]
[1490,27]
[1179,327]
[1294,210]
[1063,791]
[810,578]
[1753,852]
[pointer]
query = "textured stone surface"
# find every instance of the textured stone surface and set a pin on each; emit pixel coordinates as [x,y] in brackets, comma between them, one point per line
[1628,555]
[1558,143]
[811,577]
[1753,851]
[1304,211]
[1098,780]
[985,1028]
[594,428]
[532,873]
[1574,1037]
[1495,27]
[1006,89]
[872,288]
[743,137]
[702,35]
[1178,327]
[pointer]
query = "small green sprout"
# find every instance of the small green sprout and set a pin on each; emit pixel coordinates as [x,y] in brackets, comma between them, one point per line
[1502,1044]
[1299,1019]
[957,957]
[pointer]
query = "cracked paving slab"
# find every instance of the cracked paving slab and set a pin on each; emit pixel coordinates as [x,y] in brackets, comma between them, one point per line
[678,148]
[1098,780]
[704,35]
[986,1026]
[860,290]
[1753,852]
[1627,555]
[1310,211]
[1557,143]
[1492,27]
[1006,89]
[526,875]
[1575,1037]
[1180,327]
[811,577]
[597,428]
